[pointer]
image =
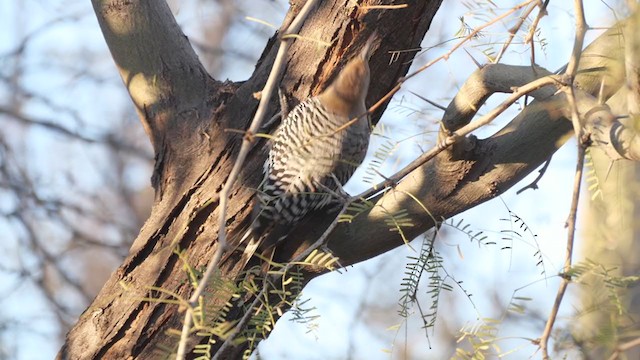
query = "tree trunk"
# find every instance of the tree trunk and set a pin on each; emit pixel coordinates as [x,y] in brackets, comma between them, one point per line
[187,115]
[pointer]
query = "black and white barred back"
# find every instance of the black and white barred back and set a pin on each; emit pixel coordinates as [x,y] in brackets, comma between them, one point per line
[311,151]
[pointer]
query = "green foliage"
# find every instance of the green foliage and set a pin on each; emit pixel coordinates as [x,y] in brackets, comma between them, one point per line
[321,259]
[428,263]
[464,30]
[519,230]
[478,340]
[541,40]
[355,209]
[413,272]
[210,314]
[607,305]
[591,176]
[589,272]
[466,229]
[305,315]
[398,220]
[380,156]
[481,338]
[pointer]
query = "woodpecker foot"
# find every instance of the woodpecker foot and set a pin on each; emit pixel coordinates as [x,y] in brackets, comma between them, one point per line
[338,195]
[338,198]
[342,195]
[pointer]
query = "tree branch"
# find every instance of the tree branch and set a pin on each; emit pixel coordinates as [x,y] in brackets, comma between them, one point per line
[449,185]
[161,71]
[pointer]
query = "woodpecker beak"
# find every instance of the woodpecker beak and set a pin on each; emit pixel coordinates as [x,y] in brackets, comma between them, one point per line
[367,50]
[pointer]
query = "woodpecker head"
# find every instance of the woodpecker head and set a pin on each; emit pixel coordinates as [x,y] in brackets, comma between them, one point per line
[352,83]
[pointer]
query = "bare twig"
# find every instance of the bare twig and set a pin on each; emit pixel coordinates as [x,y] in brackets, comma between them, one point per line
[247,141]
[532,30]
[432,103]
[60,129]
[574,62]
[620,349]
[445,56]
[566,279]
[467,129]
[514,30]
[632,61]
[572,68]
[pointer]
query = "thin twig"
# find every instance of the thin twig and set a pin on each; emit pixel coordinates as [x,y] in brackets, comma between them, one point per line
[572,68]
[581,29]
[247,141]
[632,59]
[467,129]
[571,225]
[432,103]
[624,347]
[536,21]
[514,30]
[445,56]
[574,62]
[53,126]
[532,30]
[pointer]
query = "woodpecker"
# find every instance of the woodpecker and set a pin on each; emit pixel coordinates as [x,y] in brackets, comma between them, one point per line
[314,151]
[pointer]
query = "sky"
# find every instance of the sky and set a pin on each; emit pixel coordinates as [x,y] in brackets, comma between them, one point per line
[74,43]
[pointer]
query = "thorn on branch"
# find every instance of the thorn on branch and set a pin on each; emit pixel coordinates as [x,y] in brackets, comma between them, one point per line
[565,276]
[585,140]
[432,103]
[476,62]
[390,183]
[534,184]
[249,136]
